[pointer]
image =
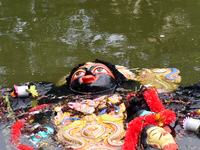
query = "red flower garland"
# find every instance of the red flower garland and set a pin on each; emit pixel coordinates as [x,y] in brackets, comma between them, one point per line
[24,147]
[163,117]
[153,101]
[15,131]
[15,135]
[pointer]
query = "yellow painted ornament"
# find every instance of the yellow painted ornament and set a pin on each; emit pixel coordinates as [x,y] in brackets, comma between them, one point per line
[99,130]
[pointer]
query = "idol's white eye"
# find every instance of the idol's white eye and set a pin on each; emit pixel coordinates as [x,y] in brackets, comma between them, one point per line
[79,73]
[100,70]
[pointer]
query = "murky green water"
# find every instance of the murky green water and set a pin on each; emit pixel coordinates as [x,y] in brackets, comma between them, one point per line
[42,40]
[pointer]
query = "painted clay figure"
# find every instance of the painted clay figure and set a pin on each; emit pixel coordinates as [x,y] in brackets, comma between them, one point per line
[100,119]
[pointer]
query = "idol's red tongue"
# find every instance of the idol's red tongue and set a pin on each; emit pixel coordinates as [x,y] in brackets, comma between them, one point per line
[89,79]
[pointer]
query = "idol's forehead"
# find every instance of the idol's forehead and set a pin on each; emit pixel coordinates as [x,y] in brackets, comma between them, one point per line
[151,129]
[89,65]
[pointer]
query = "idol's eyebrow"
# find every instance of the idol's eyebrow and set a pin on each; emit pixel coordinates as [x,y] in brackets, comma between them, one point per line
[152,131]
[95,66]
[160,136]
[81,68]
[98,65]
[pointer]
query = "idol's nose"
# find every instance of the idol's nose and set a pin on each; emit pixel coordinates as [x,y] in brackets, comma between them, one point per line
[88,79]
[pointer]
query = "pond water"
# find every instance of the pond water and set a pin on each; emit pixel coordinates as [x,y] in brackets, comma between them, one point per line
[42,40]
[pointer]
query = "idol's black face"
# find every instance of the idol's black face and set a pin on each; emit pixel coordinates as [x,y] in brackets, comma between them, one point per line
[93,78]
